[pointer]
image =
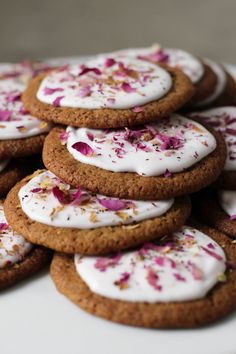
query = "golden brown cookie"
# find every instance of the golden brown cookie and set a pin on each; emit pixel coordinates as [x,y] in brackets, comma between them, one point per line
[131,185]
[21,147]
[220,301]
[180,93]
[208,209]
[96,240]
[38,258]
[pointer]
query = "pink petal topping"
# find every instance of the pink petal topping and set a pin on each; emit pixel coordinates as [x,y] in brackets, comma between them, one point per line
[195,271]
[3,226]
[64,137]
[233,217]
[85,91]
[109,62]
[137,109]
[51,91]
[104,262]
[179,277]
[152,279]
[36,190]
[114,204]
[169,142]
[64,197]
[85,70]
[5,115]
[127,87]
[83,148]
[13,96]
[212,253]
[167,173]
[159,56]
[57,101]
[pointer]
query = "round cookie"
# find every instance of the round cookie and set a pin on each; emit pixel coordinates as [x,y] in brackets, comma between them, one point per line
[202,76]
[223,119]
[218,217]
[225,90]
[48,212]
[154,183]
[108,93]
[138,300]
[18,258]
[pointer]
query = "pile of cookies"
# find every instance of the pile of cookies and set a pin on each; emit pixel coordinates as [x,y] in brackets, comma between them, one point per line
[130,143]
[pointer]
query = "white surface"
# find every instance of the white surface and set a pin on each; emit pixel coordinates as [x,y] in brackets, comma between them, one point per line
[36,319]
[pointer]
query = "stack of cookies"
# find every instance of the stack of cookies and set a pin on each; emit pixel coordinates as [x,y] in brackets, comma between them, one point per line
[113,202]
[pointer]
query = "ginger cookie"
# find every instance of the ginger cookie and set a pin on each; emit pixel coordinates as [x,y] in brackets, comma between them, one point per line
[223,119]
[50,213]
[19,259]
[224,93]
[172,157]
[20,133]
[184,280]
[222,207]
[202,75]
[108,93]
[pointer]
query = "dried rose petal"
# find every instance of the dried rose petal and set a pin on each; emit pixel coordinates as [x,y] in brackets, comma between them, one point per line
[36,190]
[5,115]
[127,87]
[86,70]
[179,277]
[167,173]
[233,217]
[85,91]
[137,109]
[104,262]
[57,101]
[51,91]
[114,204]
[3,226]
[83,148]
[152,279]
[109,62]
[212,254]
[64,197]
[64,137]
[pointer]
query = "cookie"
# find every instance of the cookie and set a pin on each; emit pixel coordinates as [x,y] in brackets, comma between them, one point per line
[202,76]
[19,259]
[108,93]
[223,119]
[225,90]
[20,133]
[180,281]
[50,213]
[217,209]
[172,157]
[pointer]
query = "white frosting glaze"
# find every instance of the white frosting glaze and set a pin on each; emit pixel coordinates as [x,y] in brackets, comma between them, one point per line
[181,267]
[220,85]
[172,144]
[3,164]
[39,203]
[227,200]
[13,247]
[176,58]
[126,83]
[223,119]
[231,69]
[15,122]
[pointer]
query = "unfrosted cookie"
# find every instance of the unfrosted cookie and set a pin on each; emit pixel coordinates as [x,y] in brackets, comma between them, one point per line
[217,209]
[185,280]
[50,213]
[200,73]
[172,157]
[19,259]
[223,119]
[224,93]
[108,93]
[20,133]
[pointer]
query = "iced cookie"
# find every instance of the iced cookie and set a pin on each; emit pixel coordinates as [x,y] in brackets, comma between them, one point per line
[183,280]
[19,259]
[224,93]
[50,213]
[108,93]
[222,207]
[172,157]
[20,133]
[223,119]
[201,74]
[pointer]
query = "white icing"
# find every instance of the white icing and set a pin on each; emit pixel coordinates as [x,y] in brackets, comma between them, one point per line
[113,151]
[231,69]
[109,88]
[223,119]
[18,124]
[3,164]
[183,267]
[13,247]
[176,58]
[42,206]
[220,85]
[227,200]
